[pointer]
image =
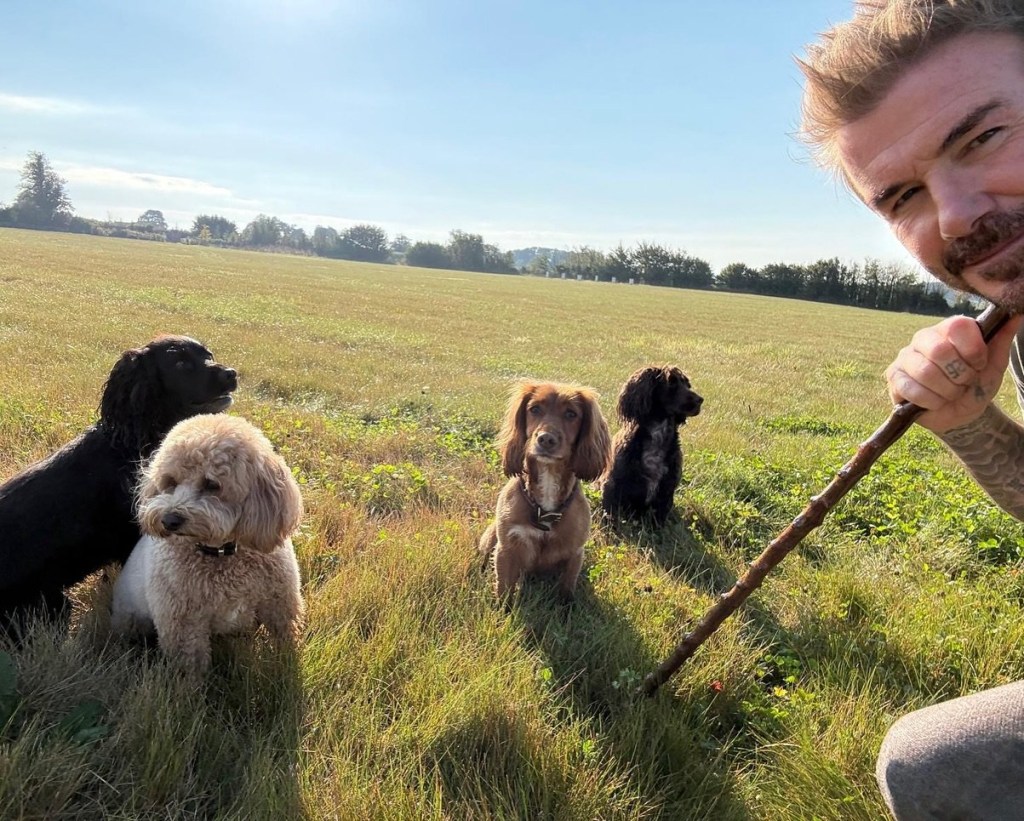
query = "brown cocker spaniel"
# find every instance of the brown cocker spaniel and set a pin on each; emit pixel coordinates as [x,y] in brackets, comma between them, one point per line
[552,437]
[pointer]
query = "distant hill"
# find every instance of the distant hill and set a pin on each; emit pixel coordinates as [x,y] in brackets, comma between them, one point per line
[524,256]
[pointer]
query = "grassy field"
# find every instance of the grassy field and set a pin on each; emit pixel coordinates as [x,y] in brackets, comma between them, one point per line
[414,696]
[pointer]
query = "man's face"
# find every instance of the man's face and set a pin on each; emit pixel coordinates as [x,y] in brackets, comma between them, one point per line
[941,159]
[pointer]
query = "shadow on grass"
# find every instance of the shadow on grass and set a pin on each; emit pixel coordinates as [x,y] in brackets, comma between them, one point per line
[103,730]
[671,755]
[683,555]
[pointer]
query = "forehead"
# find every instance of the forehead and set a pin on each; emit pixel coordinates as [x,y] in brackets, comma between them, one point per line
[183,345]
[906,129]
[552,397]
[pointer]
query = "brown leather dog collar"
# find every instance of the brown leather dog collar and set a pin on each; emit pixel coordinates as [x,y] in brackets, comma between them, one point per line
[546,519]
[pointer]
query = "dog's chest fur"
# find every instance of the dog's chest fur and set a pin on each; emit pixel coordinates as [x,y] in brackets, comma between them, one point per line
[548,490]
[652,459]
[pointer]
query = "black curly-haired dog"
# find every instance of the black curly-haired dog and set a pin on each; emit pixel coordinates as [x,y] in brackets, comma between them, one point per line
[647,462]
[72,513]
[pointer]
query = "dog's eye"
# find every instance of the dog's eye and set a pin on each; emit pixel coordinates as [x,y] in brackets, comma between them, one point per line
[211,485]
[184,365]
[571,414]
[167,484]
[535,409]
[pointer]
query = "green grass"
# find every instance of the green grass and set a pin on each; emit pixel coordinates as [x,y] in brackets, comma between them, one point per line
[412,695]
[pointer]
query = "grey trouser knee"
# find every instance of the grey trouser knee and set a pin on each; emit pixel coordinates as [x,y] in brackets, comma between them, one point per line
[961,759]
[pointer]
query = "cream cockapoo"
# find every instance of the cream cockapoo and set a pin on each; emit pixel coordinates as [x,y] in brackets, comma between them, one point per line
[217,507]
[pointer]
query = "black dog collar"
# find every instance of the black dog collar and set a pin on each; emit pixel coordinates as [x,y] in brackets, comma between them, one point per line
[226,549]
[546,519]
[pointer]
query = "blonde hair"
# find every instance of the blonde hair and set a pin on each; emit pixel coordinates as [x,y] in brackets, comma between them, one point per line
[856,63]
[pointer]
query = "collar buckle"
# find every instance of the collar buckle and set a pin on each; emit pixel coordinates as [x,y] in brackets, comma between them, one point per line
[226,549]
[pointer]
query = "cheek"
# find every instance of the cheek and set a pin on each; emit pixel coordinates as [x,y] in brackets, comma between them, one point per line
[921,237]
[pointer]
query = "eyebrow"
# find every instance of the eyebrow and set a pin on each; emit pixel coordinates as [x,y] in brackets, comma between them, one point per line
[966,124]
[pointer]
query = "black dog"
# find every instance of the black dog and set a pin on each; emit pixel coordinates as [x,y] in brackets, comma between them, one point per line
[72,513]
[646,460]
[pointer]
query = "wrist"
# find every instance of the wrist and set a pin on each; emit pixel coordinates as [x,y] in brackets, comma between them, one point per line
[987,420]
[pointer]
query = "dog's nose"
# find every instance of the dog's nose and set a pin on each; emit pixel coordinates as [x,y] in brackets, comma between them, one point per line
[547,441]
[229,378]
[172,521]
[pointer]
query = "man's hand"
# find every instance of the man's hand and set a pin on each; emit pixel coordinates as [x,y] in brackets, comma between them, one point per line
[949,371]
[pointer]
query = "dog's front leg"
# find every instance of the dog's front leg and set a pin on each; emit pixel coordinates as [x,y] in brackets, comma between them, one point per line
[186,643]
[282,617]
[569,576]
[509,567]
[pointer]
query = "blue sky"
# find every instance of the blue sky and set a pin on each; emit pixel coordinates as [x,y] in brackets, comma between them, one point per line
[532,123]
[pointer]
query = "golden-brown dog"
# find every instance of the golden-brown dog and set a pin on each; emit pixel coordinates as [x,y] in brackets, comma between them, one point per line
[217,507]
[552,437]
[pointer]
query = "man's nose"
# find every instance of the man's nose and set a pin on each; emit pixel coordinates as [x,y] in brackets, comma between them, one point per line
[960,204]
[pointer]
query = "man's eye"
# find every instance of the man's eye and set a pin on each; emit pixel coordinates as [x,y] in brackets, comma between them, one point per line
[984,137]
[904,198]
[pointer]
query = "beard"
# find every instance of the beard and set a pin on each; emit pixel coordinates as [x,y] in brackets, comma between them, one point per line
[992,231]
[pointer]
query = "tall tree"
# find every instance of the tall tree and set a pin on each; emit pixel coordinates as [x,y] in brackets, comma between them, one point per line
[42,200]
[738,276]
[294,237]
[428,255]
[466,251]
[365,243]
[497,261]
[263,231]
[325,241]
[783,279]
[219,228]
[152,220]
[586,262]
[620,264]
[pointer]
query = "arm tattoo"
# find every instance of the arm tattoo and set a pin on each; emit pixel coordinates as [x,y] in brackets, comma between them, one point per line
[992,449]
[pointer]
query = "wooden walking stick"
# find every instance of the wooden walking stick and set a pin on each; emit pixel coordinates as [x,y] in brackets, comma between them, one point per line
[903,415]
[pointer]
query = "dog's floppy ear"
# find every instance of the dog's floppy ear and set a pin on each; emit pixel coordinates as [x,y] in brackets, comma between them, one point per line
[273,509]
[593,443]
[146,487]
[637,395]
[130,398]
[512,437]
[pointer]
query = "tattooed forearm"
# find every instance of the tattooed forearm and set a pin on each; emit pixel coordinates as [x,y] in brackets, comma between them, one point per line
[992,449]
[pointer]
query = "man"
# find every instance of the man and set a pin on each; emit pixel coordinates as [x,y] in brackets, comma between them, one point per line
[919,106]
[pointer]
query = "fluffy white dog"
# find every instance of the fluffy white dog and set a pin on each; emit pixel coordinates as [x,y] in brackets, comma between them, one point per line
[217,507]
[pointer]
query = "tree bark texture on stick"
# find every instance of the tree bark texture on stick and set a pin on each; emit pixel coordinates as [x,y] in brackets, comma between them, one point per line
[903,415]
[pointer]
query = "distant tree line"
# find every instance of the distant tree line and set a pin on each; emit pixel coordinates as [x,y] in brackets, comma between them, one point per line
[42,202]
[871,284]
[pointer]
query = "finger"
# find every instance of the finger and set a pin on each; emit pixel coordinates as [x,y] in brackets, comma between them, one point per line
[946,380]
[903,387]
[965,336]
[956,349]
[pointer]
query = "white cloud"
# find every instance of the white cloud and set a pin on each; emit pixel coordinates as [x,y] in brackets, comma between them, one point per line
[45,105]
[116,178]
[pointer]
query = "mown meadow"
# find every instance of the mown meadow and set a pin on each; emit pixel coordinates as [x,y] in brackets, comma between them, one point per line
[412,695]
